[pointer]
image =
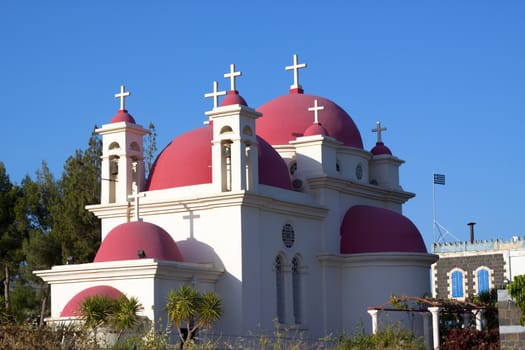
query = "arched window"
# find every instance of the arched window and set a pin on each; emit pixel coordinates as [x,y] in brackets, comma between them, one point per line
[247,131]
[456,279]
[483,281]
[279,285]
[226,165]
[297,290]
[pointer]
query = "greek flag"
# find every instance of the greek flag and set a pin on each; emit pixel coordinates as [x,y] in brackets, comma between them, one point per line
[439,179]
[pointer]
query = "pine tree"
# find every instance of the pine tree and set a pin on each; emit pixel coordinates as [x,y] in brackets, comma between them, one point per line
[77,229]
[10,238]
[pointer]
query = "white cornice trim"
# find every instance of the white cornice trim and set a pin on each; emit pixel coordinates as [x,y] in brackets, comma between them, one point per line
[129,269]
[377,259]
[352,188]
[152,205]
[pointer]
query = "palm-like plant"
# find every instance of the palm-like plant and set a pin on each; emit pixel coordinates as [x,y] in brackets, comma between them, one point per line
[100,310]
[125,314]
[96,310]
[188,307]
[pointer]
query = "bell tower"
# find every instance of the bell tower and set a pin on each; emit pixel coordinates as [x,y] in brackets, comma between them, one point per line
[122,170]
[234,143]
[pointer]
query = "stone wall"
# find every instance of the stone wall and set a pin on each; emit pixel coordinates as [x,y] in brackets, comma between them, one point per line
[469,264]
[511,333]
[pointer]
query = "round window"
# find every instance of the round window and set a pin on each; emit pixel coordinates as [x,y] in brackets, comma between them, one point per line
[359,172]
[288,236]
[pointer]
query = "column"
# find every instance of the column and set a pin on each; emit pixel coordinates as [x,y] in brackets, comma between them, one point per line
[434,310]
[426,329]
[375,325]
[466,319]
[479,317]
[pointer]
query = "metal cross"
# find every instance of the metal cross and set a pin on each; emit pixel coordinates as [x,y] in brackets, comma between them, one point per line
[232,76]
[215,94]
[295,67]
[191,217]
[122,95]
[316,110]
[378,129]
[134,197]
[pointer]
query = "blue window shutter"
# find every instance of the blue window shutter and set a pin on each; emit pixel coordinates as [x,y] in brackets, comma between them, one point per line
[483,281]
[457,284]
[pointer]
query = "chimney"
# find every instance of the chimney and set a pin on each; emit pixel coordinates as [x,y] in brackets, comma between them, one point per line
[471,224]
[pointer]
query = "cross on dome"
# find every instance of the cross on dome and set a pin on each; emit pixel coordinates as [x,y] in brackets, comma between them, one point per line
[378,129]
[232,74]
[316,110]
[122,95]
[215,94]
[134,197]
[295,67]
[191,217]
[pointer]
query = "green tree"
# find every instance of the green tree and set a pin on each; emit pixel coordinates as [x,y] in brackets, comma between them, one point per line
[150,148]
[41,247]
[517,291]
[77,229]
[11,237]
[188,308]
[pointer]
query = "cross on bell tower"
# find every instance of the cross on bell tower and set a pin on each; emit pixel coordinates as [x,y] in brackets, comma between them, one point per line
[232,75]
[316,110]
[378,129]
[215,94]
[122,95]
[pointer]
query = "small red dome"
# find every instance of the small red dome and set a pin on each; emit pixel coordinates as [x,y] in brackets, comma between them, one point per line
[123,116]
[380,148]
[73,305]
[124,241]
[233,98]
[187,161]
[368,229]
[316,129]
[287,117]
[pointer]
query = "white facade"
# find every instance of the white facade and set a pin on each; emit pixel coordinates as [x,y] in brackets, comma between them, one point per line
[270,253]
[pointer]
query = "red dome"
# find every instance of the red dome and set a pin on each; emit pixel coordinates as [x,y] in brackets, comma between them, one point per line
[187,161]
[287,117]
[368,229]
[124,241]
[123,116]
[73,305]
[316,129]
[233,98]
[380,148]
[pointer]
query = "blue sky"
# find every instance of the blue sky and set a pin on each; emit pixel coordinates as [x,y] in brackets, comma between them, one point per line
[445,77]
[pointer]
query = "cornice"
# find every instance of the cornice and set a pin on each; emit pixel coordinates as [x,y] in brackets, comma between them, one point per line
[352,188]
[387,259]
[129,269]
[158,206]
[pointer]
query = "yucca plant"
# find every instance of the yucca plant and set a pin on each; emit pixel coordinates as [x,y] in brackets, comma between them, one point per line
[188,308]
[124,315]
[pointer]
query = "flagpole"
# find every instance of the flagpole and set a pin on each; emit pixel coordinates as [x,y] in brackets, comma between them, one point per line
[434,206]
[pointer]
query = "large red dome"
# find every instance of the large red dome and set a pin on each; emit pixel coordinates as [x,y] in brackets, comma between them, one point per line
[187,161]
[126,240]
[73,305]
[287,117]
[368,229]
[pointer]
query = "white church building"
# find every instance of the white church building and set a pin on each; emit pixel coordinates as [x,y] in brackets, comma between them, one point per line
[280,209]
